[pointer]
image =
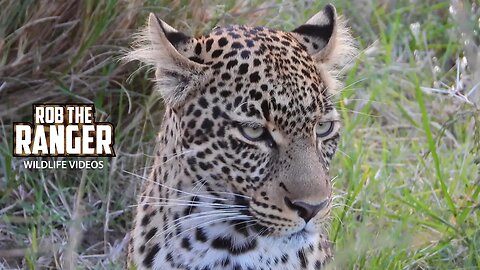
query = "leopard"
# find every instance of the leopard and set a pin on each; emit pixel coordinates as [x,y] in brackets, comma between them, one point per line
[240,178]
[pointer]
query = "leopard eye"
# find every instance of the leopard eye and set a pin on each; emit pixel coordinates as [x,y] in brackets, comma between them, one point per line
[253,133]
[323,129]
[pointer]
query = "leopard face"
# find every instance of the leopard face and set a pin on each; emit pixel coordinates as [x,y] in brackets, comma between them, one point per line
[242,170]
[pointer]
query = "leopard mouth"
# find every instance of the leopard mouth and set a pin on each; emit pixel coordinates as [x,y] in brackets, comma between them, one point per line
[264,231]
[303,233]
[255,225]
[251,224]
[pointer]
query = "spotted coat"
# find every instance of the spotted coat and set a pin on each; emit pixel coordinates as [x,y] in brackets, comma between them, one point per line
[241,176]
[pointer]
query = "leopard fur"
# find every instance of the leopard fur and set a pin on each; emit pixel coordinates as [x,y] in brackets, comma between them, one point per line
[241,176]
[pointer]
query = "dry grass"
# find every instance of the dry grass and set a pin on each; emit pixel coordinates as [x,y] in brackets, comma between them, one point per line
[60,46]
[407,177]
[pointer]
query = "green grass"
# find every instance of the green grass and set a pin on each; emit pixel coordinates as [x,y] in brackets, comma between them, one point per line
[408,172]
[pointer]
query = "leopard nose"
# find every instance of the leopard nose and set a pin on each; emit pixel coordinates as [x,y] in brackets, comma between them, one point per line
[305,210]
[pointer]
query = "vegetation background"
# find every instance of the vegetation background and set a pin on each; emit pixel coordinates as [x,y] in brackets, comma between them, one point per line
[408,177]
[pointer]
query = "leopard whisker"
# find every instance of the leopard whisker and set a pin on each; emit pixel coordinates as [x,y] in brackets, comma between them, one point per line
[169,228]
[223,200]
[345,88]
[361,99]
[172,157]
[206,213]
[229,193]
[353,83]
[354,57]
[325,216]
[259,233]
[179,221]
[335,198]
[208,223]
[335,216]
[164,200]
[357,112]
[345,154]
[333,178]
[246,102]
[244,222]
[346,206]
[190,204]
[171,188]
[235,194]
[200,183]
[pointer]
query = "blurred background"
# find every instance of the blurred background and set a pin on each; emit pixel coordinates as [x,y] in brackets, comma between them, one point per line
[407,171]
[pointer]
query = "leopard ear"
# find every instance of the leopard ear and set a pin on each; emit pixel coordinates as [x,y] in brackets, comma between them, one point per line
[327,39]
[161,46]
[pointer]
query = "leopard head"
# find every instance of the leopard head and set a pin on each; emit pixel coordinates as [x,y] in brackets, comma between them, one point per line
[251,111]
